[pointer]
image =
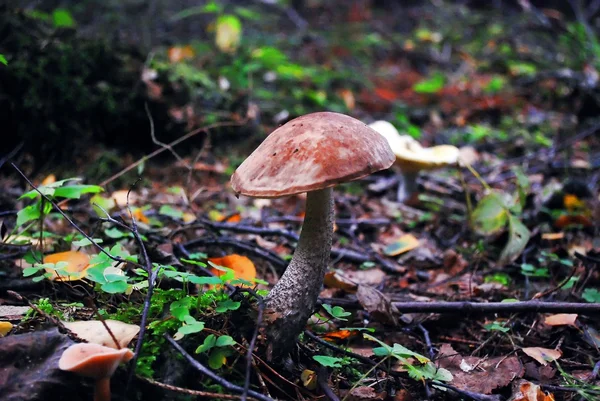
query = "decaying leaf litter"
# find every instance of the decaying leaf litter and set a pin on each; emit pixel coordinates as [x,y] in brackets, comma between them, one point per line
[420,300]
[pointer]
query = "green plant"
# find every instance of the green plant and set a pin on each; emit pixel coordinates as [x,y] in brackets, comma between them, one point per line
[424,370]
[217,348]
[498,211]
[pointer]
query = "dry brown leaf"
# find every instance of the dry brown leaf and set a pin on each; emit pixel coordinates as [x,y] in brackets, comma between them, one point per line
[542,355]
[77,263]
[378,305]
[561,319]
[93,331]
[477,374]
[364,393]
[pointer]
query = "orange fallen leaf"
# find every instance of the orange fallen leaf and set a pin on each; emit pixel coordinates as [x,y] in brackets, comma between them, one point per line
[51,179]
[561,319]
[77,263]
[573,203]
[242,267]
[532,392]
[139,216]
[339,335]
[566,220]
[543,355]
[179,53]
[334,280]
[553,236]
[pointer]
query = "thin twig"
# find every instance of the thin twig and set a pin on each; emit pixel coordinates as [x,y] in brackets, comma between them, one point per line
[213,376]
[71,222]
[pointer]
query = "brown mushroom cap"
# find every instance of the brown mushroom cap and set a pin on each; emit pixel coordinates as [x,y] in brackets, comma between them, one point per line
[312,152]
[93,360]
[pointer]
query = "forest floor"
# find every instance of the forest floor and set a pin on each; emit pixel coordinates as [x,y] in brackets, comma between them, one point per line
[484,284]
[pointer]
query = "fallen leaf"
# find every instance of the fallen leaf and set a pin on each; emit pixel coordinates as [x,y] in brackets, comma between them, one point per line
[479,375]
[242,267]
[228,33]
[339,335]
[542,355]
[561,319]
[378,305]
[5,327]
[177,54]
[553,236]
[120,197]
[50,179]
[531,392]
[93,331]
[405,243]
[309,379]
[336,280]
[139,216]
[364,393]
[77,263]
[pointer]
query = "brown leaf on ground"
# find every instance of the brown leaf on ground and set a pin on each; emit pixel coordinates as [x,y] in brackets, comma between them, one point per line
[479,375]
[378,305]
[364,393]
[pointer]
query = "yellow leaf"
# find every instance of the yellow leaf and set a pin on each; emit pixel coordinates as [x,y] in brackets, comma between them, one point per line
[405,243]
[77,264]
[189,217]
[228,33]
[5,327]
[242,267]
[309,379]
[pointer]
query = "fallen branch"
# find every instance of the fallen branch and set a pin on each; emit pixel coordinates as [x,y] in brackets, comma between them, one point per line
[481,307]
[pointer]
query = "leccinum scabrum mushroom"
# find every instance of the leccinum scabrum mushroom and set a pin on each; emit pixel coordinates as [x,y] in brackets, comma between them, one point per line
[309,154]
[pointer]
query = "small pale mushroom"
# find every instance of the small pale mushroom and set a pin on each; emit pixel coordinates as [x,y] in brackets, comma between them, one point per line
[95,361]
[412,158]
[309,154]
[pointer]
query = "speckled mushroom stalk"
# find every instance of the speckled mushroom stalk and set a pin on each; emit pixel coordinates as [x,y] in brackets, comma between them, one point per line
[295,294]
[311,154]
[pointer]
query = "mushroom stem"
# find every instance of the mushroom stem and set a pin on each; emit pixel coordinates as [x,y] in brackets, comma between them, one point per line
[407,185]
[292,300]
[102,391]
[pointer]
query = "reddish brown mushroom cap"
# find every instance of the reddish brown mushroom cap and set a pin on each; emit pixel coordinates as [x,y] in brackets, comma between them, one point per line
[93,360]
[312,152]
